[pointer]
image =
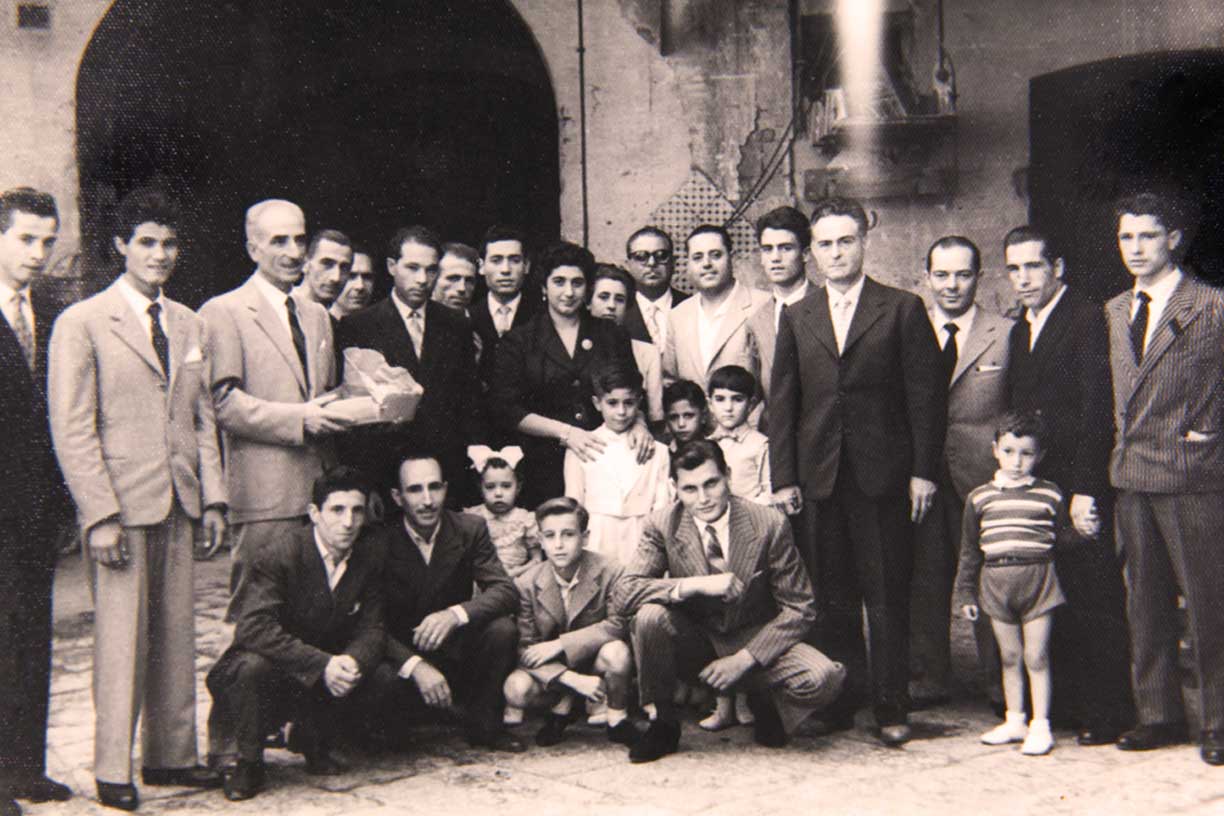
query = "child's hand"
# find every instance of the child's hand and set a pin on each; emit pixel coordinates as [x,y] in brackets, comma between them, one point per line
[970,611]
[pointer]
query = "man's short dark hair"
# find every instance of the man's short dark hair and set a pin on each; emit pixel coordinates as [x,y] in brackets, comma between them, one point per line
[957,242]
[695,453]
[26,200]
[839,205]
[1027,234]
[614,374]
[145,205]
[614,273]
[1023,423]
[563,253]
[1162,208]
[563,506]
[789,219]
[415,234]
[684,391]
[649,230]
[733,378]
[502,232]
[461,251]
[713,229]
[333,235]
[340,479]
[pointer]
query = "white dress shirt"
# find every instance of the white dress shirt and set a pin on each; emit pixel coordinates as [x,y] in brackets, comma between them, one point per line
[495,305]
[566,587]
[405,310]
[9,308]
[656,314]
[940,319]
[335,567]
[276,299]
[782,301]
[710,323]
[140,305]
[722,528]
[1038,320]
[1159,298]
[841,310]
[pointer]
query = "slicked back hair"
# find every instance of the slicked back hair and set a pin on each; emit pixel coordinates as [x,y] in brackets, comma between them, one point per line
[954,242]
[563,506]
[839,205]
[1029,233]
[333,235]
[415,234]
[142,206]
[26,200]
[695,453]
[789,219]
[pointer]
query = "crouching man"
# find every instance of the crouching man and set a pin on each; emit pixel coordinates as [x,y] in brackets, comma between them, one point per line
[569,645]
[732,612]
[309,639]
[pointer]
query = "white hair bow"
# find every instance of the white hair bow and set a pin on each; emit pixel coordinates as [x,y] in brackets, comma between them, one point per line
[481,454]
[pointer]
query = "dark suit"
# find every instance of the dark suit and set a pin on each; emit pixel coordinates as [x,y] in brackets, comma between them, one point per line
[477,657]
[635,322]
[674,640]
[289,626]
[850,430]
[1066,377]
[1168,464]
[445,418]
[535,375]
[32,504]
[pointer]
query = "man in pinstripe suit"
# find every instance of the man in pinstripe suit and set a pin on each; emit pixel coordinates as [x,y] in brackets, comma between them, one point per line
[732,613]
[1166,335]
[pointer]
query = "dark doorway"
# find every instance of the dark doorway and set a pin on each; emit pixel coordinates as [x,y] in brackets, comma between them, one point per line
[370,115]
[1098,131]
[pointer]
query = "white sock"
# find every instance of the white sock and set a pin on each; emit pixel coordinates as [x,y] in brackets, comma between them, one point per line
[616,716]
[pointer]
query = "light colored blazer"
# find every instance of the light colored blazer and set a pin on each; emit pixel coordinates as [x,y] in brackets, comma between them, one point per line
[736,344]
[1169,411]
[977,397]
[590,624]
[128,440]
[761,324]
[650,364]
[260,395]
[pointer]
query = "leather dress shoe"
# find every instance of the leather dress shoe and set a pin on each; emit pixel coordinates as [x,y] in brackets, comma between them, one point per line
[41,789]
[661,738]
[1097,735]
[324,763]
[767,728]
[553,731]
[895,734]
[1153,735]
[624,733]
[496,740]
[9,807]
[1212,748]
[243,780]
[195,777]
[119,796]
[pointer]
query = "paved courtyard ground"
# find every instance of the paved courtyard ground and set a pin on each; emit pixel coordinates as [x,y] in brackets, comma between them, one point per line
[944,770]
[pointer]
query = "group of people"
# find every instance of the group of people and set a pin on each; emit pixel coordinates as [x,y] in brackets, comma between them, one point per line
[613,498]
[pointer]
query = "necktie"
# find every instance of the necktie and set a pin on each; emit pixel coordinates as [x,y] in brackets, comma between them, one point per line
[1024,333]
[654,326]
[714,551]
[416,331]
[160,344]
[503,320]
[1138,326]
[21,328]
[299,338]
[949,349]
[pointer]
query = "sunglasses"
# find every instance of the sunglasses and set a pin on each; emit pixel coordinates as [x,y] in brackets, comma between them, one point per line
[657,257]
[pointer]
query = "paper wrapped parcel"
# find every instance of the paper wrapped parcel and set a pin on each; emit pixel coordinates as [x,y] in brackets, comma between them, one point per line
[374,392]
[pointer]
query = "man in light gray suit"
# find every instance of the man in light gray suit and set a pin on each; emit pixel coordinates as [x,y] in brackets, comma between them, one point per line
[784,237]
[272,361]
[1165,340]
[973,342]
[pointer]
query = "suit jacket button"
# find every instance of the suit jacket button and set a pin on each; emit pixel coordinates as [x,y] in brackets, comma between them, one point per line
[577,383]
[578,417]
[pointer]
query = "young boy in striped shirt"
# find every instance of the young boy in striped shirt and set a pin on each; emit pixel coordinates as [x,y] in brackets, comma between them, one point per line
[1007,569]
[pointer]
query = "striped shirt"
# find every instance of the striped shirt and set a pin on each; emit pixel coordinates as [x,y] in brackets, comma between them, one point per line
[1013,521]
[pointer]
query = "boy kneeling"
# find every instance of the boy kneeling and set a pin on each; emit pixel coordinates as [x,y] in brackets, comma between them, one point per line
[569,644]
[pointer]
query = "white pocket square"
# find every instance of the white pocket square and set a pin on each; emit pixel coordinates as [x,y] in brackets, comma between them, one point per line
[356,608]
[1199,436]
[193,355]
[989,368]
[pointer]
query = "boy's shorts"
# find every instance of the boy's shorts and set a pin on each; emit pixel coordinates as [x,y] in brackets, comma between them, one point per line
[1019,593]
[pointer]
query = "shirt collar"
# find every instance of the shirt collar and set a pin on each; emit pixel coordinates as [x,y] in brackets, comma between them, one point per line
[738,434]
[721,525]
[1003,483]
[663,302]
[325,553]
[404,309]
[794,297]
[566,586]
[940,318]
[416,537]
[1041,315]
[274,296]
[495,304]
[139,303]
[852,294]
[1163,290]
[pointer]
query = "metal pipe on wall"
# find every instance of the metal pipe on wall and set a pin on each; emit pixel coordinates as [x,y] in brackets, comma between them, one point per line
[586,221]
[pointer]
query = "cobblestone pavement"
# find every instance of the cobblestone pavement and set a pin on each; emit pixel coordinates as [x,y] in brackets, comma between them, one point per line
[943,770]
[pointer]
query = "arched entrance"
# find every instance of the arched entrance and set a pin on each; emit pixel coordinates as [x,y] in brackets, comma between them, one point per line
[370,115]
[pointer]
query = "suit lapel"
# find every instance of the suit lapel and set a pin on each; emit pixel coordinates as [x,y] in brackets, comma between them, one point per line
[739,307]
[684,325]
[447,551]
[128,329]
[1120,345]
[1056,325]
[690,554]
[314,571]
[582,594]
[178,342]
[549,595]
[1178,313]
[981,337]
[398,342]
[550,343]
[584,348]
[811,315]
[746,543]
[865,314]
[271,325]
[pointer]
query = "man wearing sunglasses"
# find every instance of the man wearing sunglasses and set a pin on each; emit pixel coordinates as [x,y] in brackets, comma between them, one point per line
[651,261]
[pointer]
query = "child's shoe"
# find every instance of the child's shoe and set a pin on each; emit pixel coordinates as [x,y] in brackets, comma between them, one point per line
[1039,740]
[742,712]
[1013,729]
[597,713]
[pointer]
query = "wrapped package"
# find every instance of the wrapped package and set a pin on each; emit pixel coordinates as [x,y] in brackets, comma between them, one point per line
[374,391]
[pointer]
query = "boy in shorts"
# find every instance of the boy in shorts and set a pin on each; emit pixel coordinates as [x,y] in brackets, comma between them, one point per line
[1007,569]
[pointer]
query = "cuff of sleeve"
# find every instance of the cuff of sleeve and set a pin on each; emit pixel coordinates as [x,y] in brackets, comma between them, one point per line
[409,667]
[461,614]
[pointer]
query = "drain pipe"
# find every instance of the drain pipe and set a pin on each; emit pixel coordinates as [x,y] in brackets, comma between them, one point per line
[586,220]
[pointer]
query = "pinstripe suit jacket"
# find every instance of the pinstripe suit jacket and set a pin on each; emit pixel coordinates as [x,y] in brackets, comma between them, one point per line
[776,609]
[1169,411]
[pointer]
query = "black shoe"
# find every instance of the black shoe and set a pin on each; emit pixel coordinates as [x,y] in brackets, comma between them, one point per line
[767,729]
[118,796]
[1155,735]
[9,807]
[1097,735]
[324,763]
[1212,750]
[553,731]
[895,734]
[197,777]
[661,738]
[242,781]
[495,740]
[41,789]
[624,732]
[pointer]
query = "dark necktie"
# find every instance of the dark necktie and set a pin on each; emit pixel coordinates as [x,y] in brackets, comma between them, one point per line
[949,349]
[1138,326]
[714,551]
[299,339]
[160,344]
